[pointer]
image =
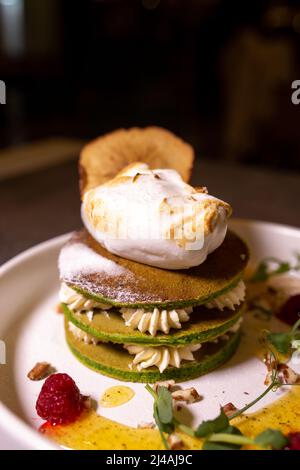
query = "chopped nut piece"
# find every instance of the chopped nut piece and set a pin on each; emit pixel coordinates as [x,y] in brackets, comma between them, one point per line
[178,407]
[174,442]
[169,384]
[285,373]
[267,380]
[144,425]
[40,371]
[87,402]
[229,409]
[288,375]
[59,308]
[189,395]
[271,365]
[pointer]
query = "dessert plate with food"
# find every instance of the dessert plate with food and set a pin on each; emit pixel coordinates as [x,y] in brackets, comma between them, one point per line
[161,323]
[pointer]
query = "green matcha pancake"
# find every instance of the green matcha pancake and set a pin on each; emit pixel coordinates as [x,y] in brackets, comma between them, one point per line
[204,325]
[113,360]
[99,275]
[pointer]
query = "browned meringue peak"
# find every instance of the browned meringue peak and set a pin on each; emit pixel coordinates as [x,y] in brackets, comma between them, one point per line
[154,217]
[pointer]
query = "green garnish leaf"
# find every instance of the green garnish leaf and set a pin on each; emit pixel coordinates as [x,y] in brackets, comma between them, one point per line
[220,423]
[168,428]
[261,272]
[223,440]
[160,428]
[233,430]
[271,438]
[208,445]
[162,414]
[295,328]
[264,270]
[283,267]
[164,405]
[280,341]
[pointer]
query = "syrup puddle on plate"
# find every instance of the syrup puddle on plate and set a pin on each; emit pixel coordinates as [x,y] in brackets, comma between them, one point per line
[116,396]
[282,414]
[94,432]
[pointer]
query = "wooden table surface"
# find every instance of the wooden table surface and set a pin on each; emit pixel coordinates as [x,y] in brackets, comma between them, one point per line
[41,205]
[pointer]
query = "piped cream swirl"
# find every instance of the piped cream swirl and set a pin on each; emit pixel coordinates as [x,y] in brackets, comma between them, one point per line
[155,320]
[230,299]
[81,335]
[78,302]
[161,357]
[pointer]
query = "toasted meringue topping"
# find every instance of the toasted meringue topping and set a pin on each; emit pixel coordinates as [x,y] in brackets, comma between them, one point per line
[155,320]
[230,299]
[161,356]
[78,302]
[153,217]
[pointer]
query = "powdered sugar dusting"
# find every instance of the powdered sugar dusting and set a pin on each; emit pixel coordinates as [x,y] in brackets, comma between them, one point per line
[77,259]
[82,267]
[124,293]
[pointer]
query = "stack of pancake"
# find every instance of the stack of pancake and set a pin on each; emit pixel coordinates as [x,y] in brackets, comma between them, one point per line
[141,323]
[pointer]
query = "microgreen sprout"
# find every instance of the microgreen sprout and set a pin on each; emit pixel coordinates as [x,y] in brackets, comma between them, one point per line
[272,266]
[283,342]
[217,433]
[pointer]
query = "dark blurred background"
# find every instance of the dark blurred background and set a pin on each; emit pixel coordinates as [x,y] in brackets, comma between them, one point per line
[217,72]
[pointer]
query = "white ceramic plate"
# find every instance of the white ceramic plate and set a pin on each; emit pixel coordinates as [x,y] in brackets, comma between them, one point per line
[33,331]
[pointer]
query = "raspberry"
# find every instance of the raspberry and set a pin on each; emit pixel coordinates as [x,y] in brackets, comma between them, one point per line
[289,312]
[294,441]
[59,401]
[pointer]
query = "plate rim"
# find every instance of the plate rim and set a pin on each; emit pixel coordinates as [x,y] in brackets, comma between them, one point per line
[14,425]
